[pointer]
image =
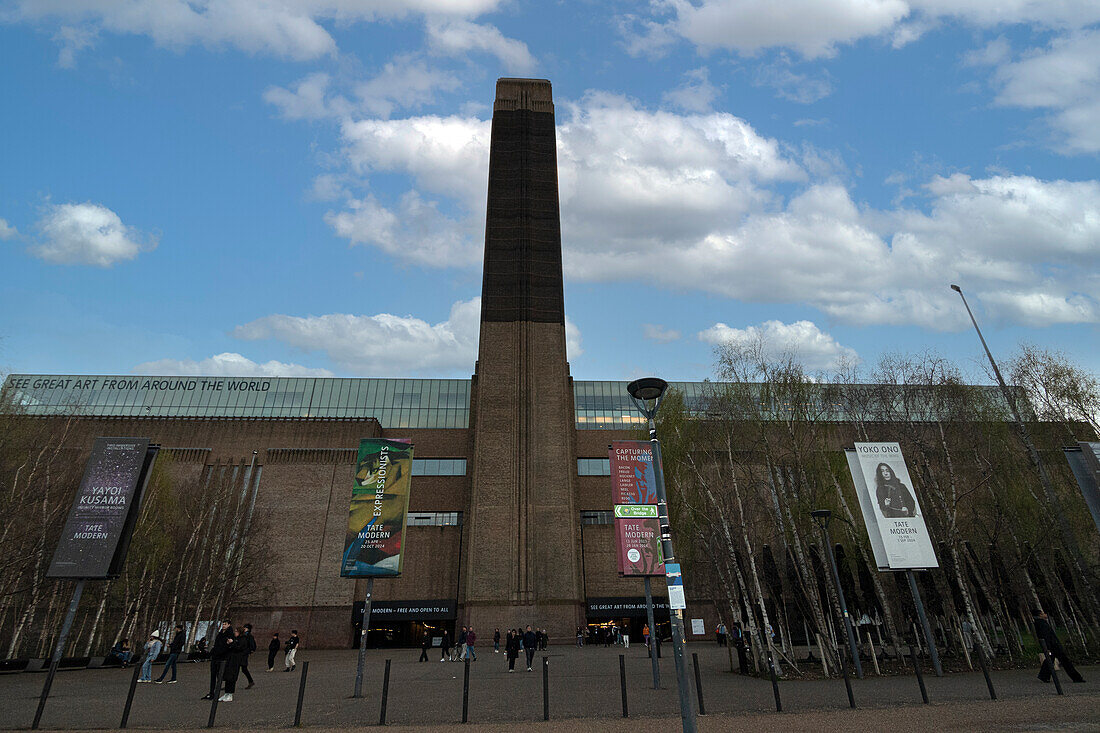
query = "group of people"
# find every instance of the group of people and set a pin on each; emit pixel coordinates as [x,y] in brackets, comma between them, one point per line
[228,657]
[605,635]
[462,648]
[528,641]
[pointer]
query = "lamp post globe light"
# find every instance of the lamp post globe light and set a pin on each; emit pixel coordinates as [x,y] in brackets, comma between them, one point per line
[822,517]
[646,394]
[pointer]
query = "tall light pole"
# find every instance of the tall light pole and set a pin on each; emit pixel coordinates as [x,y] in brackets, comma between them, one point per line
[1033,454]
[822,516]
[647,393]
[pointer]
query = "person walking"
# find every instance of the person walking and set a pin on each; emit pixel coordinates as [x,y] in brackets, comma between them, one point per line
[471,637]
[496,641]
[580,637]
[219,654]
[545,640]
[237,660]
[511,649]
[273,648]
[425,645]
[645,635]
[247,642]
[445,646]
[1045,632]
[150,654]
[742,655]
[529,643]
[460,646]
[290,650]
[626,638]
[175,648]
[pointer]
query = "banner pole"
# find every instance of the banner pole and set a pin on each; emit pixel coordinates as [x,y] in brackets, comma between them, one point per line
[58,650]
[924,624]
[363,639]
[652,635]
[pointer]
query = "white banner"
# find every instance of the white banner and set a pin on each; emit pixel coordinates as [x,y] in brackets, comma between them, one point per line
[887,493]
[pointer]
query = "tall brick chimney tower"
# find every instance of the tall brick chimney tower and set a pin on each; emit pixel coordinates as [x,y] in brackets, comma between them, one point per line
[522,528]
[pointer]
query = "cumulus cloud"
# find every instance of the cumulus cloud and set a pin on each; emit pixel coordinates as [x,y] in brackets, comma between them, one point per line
[404,83]
[695,94]
[455,37]
[306,101]
[7,231]
[87,234]
[228,364]
[292,29]
[790,84]
[801,339]
[660,334]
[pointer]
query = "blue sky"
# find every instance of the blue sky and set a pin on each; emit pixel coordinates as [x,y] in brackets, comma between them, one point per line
[298,187]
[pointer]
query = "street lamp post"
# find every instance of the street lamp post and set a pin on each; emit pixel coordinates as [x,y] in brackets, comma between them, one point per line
[821,516]
[1033,454]
[647,393]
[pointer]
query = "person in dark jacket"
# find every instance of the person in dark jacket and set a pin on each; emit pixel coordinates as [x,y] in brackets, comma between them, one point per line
[496,641]
[445,646]
[1044,632]
[248,642]
[219,653]
[290,650]
[273,648]
[894,499]
[238,659]
[425,645]
[175,648]
[511,649]
[529,643]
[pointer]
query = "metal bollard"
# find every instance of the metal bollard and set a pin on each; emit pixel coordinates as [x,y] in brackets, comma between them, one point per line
[775,685]
[847,680]
[920,677]
[545,688]
[985,670]
[385,694]
[622,682]
[698,684]
[214,695]
[466,691]
[1050,661]
[301,695]
[130,697]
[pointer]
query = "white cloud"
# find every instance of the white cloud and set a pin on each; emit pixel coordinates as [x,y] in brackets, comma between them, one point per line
[228,364]
[660,334]
[292,29]
[696,94]
[791,85]
[455,37]
[404,83]
[73,40]
[7,231]
[307,101]
[801,339]
[87,234]
[385,344]
[1063,78]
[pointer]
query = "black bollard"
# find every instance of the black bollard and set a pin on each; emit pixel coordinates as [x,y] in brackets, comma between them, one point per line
[1050,661]
[622,682]
[920,677]
[985,670]
[466,691]
[301,695]
[545,688]
[214,696]
[130,697]
[698,684]
[775,685]
[847,680]
[385,694]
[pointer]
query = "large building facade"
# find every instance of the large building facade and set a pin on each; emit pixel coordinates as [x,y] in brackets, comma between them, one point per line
[510,510]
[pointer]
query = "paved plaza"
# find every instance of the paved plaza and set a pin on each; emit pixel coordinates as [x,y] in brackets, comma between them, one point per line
[583,683]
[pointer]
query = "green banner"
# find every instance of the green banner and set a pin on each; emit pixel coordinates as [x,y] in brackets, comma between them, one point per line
[635,510]
[379,509]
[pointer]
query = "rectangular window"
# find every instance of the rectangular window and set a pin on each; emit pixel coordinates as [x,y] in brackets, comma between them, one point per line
[435,519]
[439,467]
[597,517]
[593,466]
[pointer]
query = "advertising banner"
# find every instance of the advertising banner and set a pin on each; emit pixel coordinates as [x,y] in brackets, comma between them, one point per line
[632,478]
[675,578]
[617,606]
[639,540]
[97,533]
[379,509]
[866,505]
[888,492]
[1084,461]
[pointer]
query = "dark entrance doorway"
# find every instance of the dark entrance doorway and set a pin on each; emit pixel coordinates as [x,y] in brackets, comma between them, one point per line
[403,623]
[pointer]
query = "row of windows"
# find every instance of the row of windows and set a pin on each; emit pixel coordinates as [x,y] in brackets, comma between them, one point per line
[439,467]
[435,519]
[593,466]
[597,517]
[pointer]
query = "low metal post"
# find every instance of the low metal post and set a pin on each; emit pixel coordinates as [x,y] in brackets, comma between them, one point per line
[545,688]
[698,684]
[55,660]
[1050,661]
[466,690]
[775,685]
[622,682]
[847,680]
[920,676]
[215,694]
[130,697]
[301,695]
[985,670]
[385,694]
